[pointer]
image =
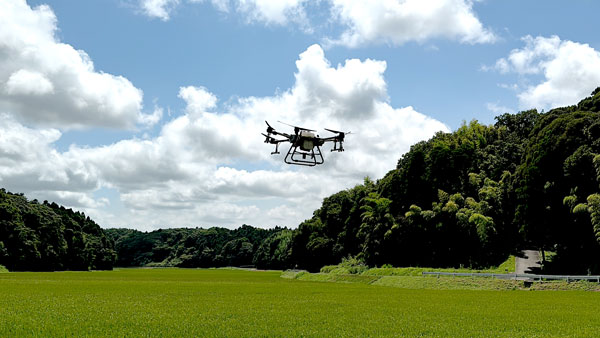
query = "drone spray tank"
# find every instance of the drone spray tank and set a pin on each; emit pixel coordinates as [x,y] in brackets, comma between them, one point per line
[307,140]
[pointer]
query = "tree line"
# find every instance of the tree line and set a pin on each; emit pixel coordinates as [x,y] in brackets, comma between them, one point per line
[468,198]
[47,237]
[198,247]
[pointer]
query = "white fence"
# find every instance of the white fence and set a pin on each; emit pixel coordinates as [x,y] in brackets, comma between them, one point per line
[516,276]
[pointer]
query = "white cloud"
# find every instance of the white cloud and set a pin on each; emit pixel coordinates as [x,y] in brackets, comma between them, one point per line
[24,82]
[498,109]
[198,99]
[160,9]
[268,12]
[197,170]
[76,199]
[363,22]
[349,91]
[221,5]
[29,162]
[278,12]
[49,83]
[281,214]
[570,70]
[399,21]
[151,119]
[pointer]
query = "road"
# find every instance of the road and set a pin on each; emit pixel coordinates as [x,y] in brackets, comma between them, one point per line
[530,259]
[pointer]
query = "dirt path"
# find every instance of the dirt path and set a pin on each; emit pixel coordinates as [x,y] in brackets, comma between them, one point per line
[530,259]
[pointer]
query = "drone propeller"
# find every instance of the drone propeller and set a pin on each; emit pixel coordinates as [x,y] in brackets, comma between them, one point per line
[296,127]
[340,135]
[339,132]
[269,128]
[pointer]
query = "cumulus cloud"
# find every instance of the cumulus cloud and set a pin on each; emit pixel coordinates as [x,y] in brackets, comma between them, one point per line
[25,82]
[570,71]
[198,99]
[210,166]
[30,163]
[396,22]
[349,91]
[46,82]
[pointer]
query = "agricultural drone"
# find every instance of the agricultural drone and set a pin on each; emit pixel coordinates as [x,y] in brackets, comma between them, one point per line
[305,148]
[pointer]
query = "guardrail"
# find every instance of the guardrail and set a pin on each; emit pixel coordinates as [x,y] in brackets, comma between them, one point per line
[516,276]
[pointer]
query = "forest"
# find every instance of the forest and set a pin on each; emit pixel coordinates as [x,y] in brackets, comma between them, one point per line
[47,237]
[468,198]
[197,247]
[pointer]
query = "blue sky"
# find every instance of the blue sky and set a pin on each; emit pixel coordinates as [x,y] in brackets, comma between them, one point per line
[163,129]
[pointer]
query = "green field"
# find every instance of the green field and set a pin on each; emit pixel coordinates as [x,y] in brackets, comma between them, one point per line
[237,303]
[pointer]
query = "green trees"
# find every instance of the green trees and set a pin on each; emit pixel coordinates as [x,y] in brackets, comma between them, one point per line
[555,180]
[198,247]
[474,196]
[446,204]
[46,237]
[376,229]
[275,251]
[331,233]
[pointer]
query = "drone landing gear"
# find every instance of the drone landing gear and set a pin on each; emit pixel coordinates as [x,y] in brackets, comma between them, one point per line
[307,158]
[276,149]
[335,146]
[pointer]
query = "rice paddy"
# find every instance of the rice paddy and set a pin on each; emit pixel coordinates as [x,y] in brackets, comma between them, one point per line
[239,303]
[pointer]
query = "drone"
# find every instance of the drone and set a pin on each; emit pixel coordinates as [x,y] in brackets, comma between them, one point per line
[305,148]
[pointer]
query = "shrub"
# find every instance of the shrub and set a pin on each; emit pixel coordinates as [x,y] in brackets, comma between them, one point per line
[328,268]
[348,266]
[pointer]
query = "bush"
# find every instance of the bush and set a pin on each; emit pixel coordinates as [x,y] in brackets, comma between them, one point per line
[328,268]
[3,269]
[387,270]
[348,266]
[292,274]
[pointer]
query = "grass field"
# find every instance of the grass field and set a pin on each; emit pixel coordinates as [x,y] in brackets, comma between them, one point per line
[444,282]
[237,303]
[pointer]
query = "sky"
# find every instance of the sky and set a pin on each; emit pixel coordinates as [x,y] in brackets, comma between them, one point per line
[147,114]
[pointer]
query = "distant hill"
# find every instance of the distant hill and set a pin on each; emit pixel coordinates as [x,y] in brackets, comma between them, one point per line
[46,237]
[198,247]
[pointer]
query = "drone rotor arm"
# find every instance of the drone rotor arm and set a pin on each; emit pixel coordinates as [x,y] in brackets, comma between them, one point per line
[275,132]
[329,139]
[272,140]
[271,130]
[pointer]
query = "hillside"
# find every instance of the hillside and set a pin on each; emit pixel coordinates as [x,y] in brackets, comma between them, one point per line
[48,237]
[198,247]
[472,197]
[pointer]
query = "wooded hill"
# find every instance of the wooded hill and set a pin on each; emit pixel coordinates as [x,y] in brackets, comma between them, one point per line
[467,198]
[472,197]
[48,237]
[213,247]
